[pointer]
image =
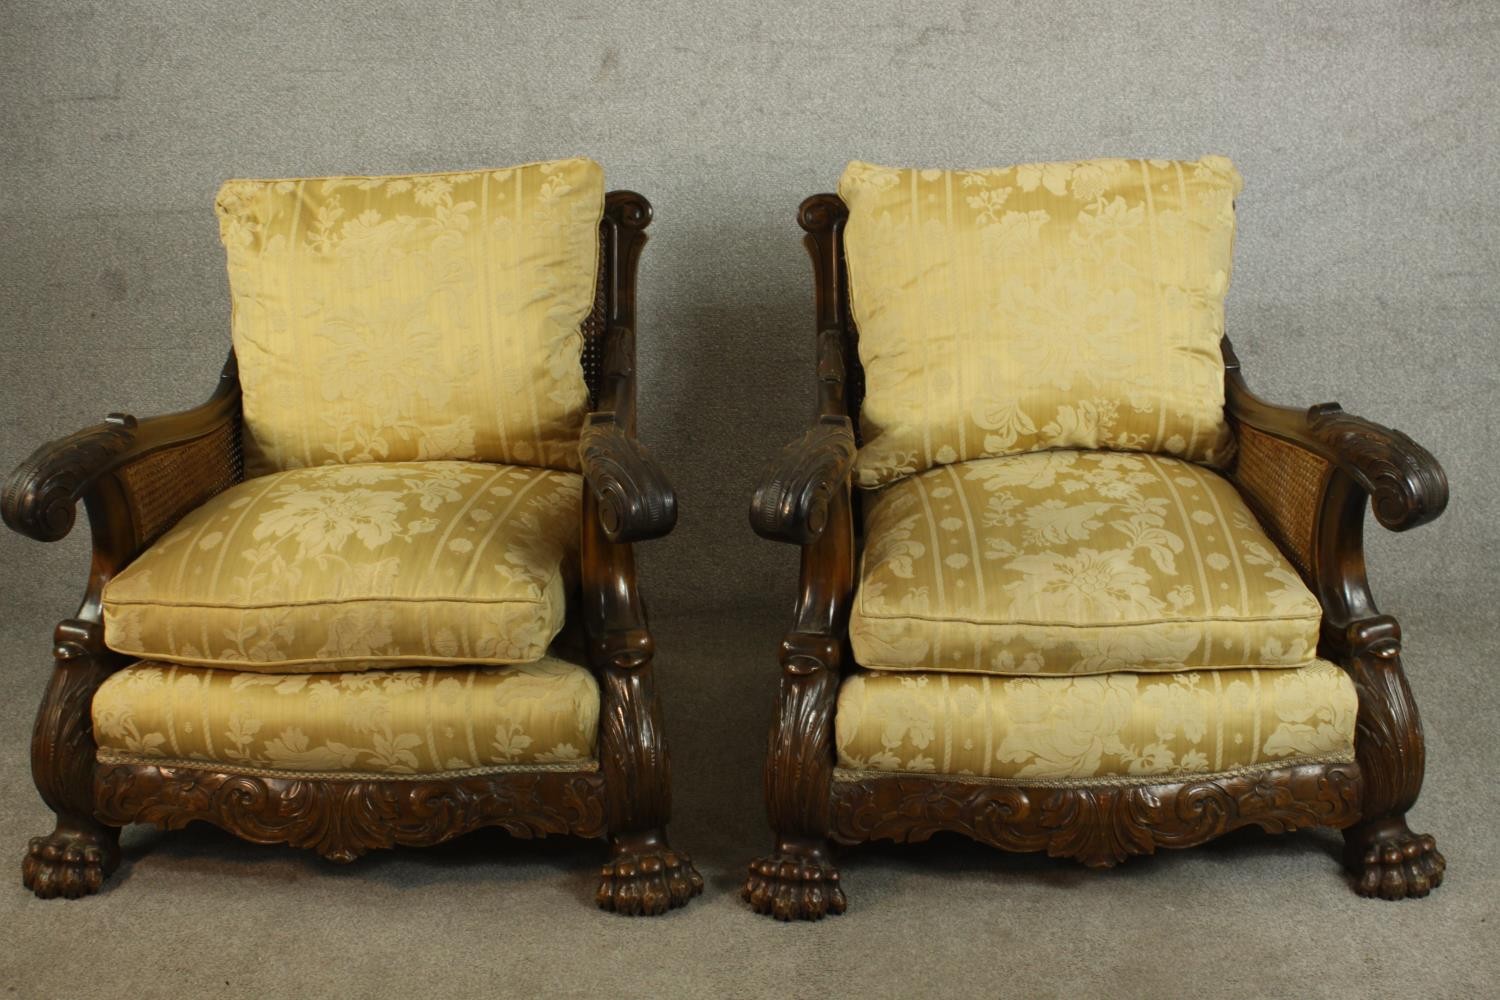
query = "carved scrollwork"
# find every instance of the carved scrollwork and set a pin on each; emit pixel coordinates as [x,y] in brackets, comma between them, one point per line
[342,820]
[1385,857]
[76,857]
[636,502]
[1388,732]
[644,875]
[1099,826]
[41,496]
[791,503]
[1406,484]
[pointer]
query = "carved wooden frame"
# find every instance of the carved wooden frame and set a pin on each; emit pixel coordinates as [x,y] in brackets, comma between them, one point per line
[1316,514]
[136,478]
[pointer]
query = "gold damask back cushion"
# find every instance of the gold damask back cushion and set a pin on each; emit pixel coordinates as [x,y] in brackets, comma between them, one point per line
[416,318]
[1048,305]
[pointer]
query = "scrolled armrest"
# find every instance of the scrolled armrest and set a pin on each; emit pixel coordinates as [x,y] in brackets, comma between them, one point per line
[41,496]
[107,463]
[636,502]
[791,503]
[1407,486]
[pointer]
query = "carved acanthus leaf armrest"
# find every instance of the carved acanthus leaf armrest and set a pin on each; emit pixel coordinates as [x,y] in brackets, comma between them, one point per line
[636,502]
[1407,486]
[41,495]
[791,502]
[137,477]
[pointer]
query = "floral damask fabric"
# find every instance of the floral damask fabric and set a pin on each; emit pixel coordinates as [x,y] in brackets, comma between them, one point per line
[339,568]
[1074,562]
[413,318]
[1116,725]
[384,722]
[1046,305]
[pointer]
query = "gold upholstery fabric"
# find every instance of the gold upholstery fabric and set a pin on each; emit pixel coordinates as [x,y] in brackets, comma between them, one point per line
[346,567]
[1069,562]
[1046,305]
[380,722]
[413,318]
[1107,725]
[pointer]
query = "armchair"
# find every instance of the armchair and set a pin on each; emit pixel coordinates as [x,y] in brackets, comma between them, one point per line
[1306,475]
[607,774]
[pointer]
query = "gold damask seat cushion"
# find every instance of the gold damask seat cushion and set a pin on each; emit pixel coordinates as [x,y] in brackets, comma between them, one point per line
[1074,562]
[1045,305]
[340,568]
[391,723]
[413,318]
[1121,725]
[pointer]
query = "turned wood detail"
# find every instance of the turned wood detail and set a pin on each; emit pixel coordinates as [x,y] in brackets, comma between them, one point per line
[342,820]
[1099,826]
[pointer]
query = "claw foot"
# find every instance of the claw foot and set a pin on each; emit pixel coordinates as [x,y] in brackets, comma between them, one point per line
[789,887]
[1405,866]
[646,883]
[68,864]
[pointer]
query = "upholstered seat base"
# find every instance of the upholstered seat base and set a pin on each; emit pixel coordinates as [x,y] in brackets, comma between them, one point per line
[1110,728]
[430,723]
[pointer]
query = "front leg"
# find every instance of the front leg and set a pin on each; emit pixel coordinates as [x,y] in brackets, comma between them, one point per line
[797,880]
[644,876]
[1382,853]
[75,858]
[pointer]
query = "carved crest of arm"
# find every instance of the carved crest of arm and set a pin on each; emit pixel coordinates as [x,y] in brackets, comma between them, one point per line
[136,476]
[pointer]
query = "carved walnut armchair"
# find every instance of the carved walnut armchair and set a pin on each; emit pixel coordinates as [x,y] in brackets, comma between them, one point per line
[1038,715]
[351,649]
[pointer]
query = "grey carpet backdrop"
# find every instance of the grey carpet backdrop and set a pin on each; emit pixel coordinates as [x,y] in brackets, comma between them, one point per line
[1365,272]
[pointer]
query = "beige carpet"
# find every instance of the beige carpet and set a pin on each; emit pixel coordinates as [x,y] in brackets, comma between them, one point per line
[197,913]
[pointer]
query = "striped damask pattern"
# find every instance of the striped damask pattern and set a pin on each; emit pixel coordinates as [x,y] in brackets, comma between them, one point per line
[1070,562]
[413,318]
[1047,305]
[342,568]
[1121,725]
[418,722]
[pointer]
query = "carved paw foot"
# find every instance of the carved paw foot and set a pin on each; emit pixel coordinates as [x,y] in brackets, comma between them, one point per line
[67,864]
[646,883]
[1407,866]
[789,887]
